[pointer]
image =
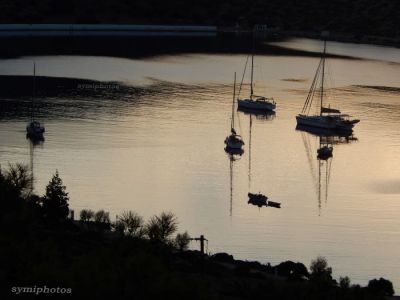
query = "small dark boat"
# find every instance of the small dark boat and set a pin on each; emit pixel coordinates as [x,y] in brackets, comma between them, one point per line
[257,199]
[35,130]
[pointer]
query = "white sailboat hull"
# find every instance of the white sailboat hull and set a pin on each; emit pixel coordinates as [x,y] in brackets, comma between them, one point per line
[257,104]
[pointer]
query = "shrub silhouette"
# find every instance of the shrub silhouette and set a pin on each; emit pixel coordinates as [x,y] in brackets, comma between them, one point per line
[344,282]
[182,241]
[160,228]
[321,274]
[130,223]
[15,189]
[102,217]
[20,179]
[292,270]
[381,286]
[86,215]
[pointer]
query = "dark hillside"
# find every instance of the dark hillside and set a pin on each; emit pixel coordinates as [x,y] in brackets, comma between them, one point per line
[358,17]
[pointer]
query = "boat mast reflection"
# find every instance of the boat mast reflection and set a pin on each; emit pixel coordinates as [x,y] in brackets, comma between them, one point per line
[33,143]
[233,156]
[326,141]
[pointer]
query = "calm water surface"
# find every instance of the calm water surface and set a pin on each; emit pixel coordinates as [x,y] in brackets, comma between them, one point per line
[162,150]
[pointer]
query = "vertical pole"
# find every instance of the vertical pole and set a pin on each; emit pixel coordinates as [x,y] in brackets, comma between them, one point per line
[202,245]
[33,91]
[323,77]
[252,67]
[202,239]
[233,104]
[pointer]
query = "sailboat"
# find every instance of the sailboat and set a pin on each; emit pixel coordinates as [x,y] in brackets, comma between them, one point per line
[234,142]
[328,118]
[255,102]
[34,130]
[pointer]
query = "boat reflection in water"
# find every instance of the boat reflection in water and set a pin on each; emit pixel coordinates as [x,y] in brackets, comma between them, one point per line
[33,144]
[258,199]
[35,139]
[327,139]
[232,158]
[260,114]
[262,200]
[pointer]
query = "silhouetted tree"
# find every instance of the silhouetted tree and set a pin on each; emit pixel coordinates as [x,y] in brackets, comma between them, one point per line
[86,215]
[102,220]
[344,282]
[130,223]
[102,217]
[20,178]
[321,274]
[119,227]
[381,286]
[182,241]
[160,228]
[15,188]
[55,202]
[292,270]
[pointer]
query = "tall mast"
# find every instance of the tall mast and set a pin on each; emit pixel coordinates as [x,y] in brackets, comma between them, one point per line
[323,76]
[233,103]
[33,91]
[252,67]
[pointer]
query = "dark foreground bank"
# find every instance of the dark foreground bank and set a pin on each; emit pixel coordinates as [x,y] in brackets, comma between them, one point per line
[44,252]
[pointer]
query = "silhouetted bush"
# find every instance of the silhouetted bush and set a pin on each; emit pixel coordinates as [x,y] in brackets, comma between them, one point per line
[102,220]
[55,202]
[223,257]
[344,282]
[381,286]
[182,241]
[321,274]
[102,217]
[160,228]
[130,223]
[292,270]
[118,227]
[20,178]
[86,215]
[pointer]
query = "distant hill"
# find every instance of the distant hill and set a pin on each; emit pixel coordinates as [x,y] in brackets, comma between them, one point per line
[357,17]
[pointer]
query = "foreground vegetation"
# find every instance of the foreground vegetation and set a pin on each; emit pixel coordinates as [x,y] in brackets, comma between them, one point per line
[359,17]
[130,258]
